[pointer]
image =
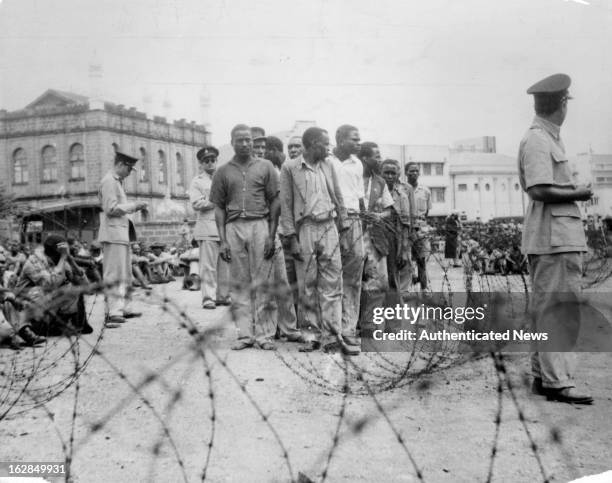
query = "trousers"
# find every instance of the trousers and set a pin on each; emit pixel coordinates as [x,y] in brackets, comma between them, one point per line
[319,278]
[214,272]
[117,267]
[555,309]
[421,249]
[375,286]
[291,274]
[287,320]
[253,304]
[352,273]
[400,279]
[15,318]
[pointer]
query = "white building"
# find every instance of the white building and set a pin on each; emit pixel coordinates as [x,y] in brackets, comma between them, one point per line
[485,185]
[599,167]
[433,161]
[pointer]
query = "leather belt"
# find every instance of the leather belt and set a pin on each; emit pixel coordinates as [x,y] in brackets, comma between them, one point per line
[320,218]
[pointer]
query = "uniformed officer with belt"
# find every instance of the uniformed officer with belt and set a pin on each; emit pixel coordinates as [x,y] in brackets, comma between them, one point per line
[115,233]
[553,239]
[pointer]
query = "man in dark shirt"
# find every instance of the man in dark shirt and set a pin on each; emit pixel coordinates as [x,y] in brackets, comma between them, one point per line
[245,192]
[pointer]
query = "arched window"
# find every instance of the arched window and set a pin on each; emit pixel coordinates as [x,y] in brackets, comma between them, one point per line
[49,164]
[516,186]
[115,147]
[162,167]
[487,187]
[144,166]
[77,162]
[20,167]
[180,170]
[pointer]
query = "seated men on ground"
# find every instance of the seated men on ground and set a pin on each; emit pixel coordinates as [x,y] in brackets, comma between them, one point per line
[48,286]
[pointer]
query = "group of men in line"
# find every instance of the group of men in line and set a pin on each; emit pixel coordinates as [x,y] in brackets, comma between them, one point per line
[300,238]
[304,246]
[336,215]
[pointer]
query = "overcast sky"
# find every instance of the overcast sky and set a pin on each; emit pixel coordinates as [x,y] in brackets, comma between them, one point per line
[406,72]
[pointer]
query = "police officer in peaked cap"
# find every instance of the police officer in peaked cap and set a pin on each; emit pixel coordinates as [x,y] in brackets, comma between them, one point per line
[554,240]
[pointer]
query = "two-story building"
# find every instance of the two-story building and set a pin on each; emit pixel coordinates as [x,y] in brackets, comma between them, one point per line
[54,152]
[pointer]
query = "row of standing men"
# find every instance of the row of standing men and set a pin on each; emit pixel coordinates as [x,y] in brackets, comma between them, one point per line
[300,239]
[336,217]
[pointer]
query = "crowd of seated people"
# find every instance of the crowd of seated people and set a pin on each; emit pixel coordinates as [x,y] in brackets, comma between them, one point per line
[154,265]
[42,289]
[493,248]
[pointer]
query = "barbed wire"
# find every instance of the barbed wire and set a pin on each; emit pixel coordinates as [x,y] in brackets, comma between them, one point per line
[26,385]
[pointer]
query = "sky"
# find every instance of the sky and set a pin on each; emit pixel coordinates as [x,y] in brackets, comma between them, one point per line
[403,72]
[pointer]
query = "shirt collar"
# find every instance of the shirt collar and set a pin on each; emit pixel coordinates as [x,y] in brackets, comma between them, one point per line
[304,164]
[352,159]
[204,174]
[550,127]
[240,165]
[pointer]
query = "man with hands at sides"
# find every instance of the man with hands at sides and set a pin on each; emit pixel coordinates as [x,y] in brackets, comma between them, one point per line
[247,209]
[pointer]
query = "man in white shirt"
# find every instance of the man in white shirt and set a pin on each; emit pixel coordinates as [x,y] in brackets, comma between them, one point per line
[350,178]
[214,272]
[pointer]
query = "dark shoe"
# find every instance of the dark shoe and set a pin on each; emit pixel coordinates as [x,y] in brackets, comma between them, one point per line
[295,338]
[331,347]
[537,388]
[311,346]
[114,319]
[30,337]
[128,314]
[110,325]
[241,344]
[267,346]
[568,395]
[350,340]
[350,350]
[226,301]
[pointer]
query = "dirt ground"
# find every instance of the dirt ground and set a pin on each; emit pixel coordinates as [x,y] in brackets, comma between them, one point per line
[148,408]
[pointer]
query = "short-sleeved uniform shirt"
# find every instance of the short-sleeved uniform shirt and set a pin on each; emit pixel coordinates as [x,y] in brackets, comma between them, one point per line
[199,190]
[245,191]
[548,227]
